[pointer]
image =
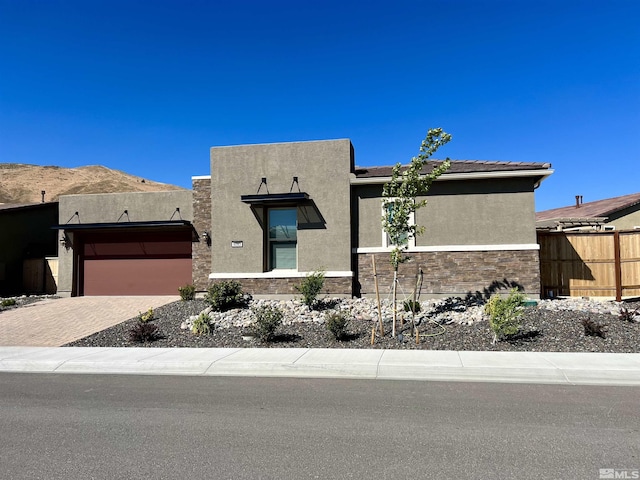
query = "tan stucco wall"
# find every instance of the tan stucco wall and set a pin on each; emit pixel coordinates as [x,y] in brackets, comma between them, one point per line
[626,219]
[323,170]
[475,212]
[109,208]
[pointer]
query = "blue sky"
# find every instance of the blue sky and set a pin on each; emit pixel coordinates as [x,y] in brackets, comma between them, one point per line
[148,86]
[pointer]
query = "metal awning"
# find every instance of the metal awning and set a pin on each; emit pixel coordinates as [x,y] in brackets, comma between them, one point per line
[293,198]
[123,225]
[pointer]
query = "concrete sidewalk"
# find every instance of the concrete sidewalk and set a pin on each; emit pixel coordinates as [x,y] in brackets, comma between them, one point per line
[520,367]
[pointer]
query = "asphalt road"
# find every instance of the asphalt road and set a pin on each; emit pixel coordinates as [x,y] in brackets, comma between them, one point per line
[106,426]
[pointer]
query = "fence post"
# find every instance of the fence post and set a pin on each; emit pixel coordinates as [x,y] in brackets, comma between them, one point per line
[618,266]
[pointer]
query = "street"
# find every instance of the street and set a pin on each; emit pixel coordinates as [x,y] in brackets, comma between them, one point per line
[56,426]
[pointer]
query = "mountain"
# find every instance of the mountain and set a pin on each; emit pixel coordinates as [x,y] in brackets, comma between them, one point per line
[20,183]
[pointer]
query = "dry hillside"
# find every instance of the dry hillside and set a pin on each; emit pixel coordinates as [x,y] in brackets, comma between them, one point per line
[21,183]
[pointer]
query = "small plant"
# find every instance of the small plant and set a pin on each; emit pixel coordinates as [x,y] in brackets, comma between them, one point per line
[144,332]
[201,325]
[187,292]
[411,306]
[594,329]
[267,321]
[310,287]
[8,302]
[147,316]
[337,324]
[225,295]
[628,315]
[505,313]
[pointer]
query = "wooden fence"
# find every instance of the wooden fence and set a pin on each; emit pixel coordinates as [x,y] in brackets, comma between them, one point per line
[40,275]
[590,264]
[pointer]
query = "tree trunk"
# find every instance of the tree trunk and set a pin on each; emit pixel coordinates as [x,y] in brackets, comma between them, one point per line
[395,293]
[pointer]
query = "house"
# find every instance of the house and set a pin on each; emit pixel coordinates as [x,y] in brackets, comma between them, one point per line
[26,243]
[268,215]
[618,213]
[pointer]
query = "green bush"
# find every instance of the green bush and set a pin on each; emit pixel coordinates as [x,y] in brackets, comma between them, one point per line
[8,302]
[267,321]
[412,306]
[337,324]
[505,313]
[225,295]
[201,325]
[188,292]
[147,316]
[310,287]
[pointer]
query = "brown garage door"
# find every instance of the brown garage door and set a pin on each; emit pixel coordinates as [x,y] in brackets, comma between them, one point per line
[135,263]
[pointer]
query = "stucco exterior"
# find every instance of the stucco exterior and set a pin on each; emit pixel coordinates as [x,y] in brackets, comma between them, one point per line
[109,209]
[627,219]
[474,212]
[323,171]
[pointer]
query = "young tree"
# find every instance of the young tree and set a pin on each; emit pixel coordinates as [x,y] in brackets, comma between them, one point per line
[399,201]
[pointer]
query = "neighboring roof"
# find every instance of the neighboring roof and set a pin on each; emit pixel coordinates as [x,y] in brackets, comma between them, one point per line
[590,210]
[5,207]
[458,167]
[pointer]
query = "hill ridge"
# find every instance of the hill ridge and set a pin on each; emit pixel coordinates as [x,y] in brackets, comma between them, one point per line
[23,183]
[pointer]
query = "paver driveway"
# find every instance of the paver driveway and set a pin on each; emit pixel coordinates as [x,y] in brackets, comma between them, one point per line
[54,322]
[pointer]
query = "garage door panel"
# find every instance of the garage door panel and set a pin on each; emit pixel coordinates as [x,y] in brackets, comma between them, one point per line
[136,276]
[135,263]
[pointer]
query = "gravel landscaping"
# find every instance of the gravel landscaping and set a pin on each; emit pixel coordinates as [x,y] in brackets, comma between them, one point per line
[449,324]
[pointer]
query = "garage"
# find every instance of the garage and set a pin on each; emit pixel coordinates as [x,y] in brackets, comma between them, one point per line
[147,260]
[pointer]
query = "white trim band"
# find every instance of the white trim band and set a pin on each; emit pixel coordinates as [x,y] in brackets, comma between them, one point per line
[278,274]
[454,248]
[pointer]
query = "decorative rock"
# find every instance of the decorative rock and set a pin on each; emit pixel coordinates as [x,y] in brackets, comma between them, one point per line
[444,311]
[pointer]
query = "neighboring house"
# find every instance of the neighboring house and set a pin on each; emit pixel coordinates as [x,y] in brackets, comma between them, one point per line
[618,213]
[268,215]
[26,240]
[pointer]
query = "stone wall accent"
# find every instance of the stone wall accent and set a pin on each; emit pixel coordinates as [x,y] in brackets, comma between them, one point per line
[476,273]
[200,251]
[333,286]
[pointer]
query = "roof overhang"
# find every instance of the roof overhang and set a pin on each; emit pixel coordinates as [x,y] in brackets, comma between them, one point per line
[267,199]
[540,173]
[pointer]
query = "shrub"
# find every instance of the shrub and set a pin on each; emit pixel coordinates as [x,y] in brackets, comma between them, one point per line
[147,316]
[188,292]
[201,325]
[337,324]
[505,313]
[310,287]
[267,321]
[629,315]
[594,329]
[8,302]
[144,332]
[225,295]
[411,306]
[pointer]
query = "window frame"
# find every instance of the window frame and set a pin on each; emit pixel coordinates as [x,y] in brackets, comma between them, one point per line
[269,242]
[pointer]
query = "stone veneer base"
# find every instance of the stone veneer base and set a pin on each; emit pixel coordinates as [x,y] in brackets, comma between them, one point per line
[475,273]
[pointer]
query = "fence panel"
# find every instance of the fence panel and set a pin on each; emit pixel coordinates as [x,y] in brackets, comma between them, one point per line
[591,264]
